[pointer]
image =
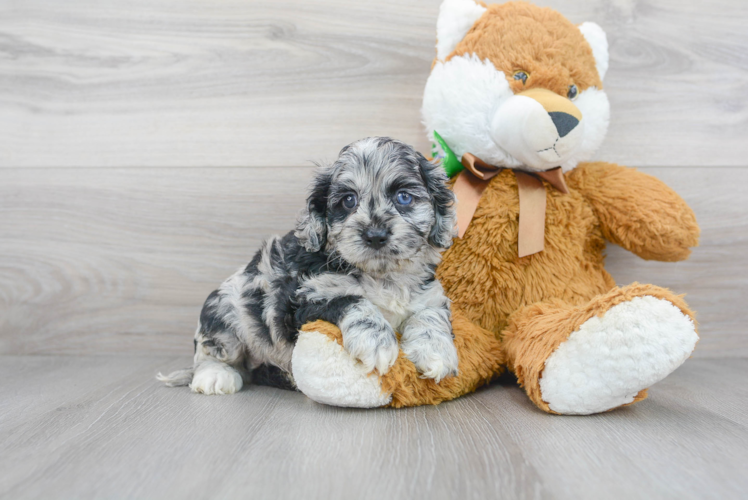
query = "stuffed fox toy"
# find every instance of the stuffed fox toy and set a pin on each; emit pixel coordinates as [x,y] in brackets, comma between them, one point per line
[515,106]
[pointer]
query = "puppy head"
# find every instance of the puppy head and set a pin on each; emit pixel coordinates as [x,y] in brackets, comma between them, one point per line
[378,207]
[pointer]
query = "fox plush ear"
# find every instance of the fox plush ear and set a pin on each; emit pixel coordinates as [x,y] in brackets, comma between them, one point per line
[456,17]
[595,36]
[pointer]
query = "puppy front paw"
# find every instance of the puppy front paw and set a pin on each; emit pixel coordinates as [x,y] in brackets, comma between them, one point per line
[434,355]
[373,342]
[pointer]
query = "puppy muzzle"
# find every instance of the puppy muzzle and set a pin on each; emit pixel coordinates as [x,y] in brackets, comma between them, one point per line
[539,128]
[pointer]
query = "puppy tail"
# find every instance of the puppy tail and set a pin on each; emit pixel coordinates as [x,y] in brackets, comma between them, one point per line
[177,378]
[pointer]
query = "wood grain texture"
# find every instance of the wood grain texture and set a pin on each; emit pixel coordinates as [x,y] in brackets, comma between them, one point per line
[102,257]
[715,277]
[102,427]
[109,260]
[103,83]
[120,260]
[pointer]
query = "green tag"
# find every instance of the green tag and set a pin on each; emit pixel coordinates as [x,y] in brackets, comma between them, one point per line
[449,161]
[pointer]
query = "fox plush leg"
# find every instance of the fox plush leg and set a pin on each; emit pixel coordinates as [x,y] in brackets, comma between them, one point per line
[579,360]
[326,373]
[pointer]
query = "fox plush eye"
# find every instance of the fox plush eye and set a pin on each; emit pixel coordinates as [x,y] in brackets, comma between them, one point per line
[573,92]
[521,75]
[350,201]
[404,198]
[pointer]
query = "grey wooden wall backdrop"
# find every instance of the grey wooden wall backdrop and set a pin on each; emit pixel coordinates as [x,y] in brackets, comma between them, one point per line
[147,146]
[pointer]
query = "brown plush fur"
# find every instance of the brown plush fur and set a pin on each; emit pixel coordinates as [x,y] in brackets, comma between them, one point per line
[483,276]
[501,292]
[519,310]
[546,45]
[535,331]
[481,360]
[638,212]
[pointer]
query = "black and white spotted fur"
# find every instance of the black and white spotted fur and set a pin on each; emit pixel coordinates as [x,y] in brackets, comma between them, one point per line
[332,268]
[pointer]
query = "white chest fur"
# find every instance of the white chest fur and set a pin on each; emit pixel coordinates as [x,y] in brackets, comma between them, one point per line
[399,297]
[393,300]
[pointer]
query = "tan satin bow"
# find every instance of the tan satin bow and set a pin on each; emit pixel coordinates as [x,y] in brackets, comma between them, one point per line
[472,181]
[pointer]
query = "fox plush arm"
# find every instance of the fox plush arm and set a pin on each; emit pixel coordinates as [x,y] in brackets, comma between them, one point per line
[637,211]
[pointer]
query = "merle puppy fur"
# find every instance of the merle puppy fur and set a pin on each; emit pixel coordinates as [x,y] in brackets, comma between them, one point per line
[363,256]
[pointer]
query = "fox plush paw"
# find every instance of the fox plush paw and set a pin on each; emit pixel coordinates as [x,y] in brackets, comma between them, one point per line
[609,360]
[327,373]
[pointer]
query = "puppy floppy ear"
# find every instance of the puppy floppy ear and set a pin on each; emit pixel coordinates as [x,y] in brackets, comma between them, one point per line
[442,199]
[311,227]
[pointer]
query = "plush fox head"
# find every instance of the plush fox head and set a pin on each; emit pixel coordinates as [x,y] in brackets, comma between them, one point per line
[517,85]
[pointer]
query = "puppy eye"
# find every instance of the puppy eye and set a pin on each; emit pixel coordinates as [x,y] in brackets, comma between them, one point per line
[404,198]
[573,92]
[350,201]
[521,75]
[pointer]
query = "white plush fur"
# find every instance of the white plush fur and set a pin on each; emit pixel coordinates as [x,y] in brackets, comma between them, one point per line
[456,17]
[595,36]
[328,374]
[460,99]
[595,108]
[607,361]
[215,377]
[470,104]
[524,129]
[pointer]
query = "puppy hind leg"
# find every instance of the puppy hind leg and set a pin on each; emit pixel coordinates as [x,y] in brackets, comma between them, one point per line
[219,363]
[216,377]
[209,375]
[273,376]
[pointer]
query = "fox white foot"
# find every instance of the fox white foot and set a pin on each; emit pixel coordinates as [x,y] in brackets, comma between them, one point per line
[326,373]
[609,360]
[214,377]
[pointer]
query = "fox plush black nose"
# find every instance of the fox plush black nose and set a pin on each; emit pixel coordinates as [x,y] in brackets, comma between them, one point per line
[375,237]
[564,122]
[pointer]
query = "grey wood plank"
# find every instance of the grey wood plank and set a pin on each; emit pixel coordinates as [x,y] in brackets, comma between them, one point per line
[113,260]
[120,260]
[715,277]
[122,435]
[255,83]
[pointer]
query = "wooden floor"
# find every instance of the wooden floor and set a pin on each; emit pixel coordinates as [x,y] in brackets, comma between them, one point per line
[146,147]
[102,427]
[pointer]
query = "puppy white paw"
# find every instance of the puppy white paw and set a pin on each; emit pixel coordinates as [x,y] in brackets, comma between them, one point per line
[372,341]
[434,355]
[214,377]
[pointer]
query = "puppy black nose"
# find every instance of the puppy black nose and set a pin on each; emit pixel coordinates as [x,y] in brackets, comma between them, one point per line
[375,237]
[564,122]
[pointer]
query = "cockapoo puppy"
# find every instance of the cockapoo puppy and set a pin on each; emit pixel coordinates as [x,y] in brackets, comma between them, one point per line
[363,257]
